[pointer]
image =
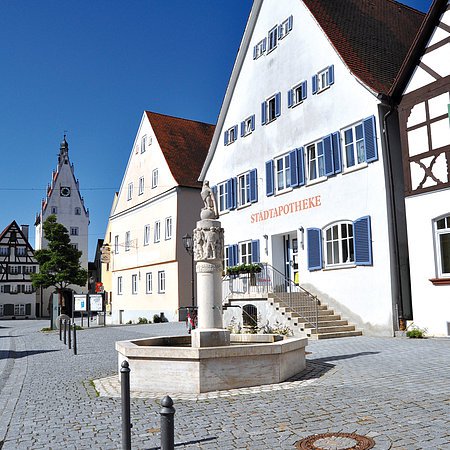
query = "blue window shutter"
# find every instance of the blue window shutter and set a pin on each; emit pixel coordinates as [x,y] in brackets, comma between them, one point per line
[314,240]
[280,31]
[314,84]
[277,104]
[225,138]
[336,142]
[253,186]
[269,178]
[255,251]
[304,90]
[290,23]
[264,45]
[242,128]
[234,254]
[330,74]
[231,194]
[263,113]
[254,51]
[234,192]
[253,122]
[214,191]
[293,165]
[235,132]
[301,166]
[370,139]
[290,98]
[362,241]
[328,155]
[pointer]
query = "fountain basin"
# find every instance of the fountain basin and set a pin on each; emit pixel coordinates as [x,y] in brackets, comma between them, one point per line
[170,364]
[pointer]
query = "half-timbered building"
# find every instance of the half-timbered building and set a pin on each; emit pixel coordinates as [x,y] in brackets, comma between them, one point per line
[422,90]
[17,263]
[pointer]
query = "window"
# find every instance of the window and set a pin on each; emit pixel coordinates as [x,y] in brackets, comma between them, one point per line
[316,166]
[130,191]
[154,178]
[1,310]
[245,251]
[119,286]
[146,234]
[360,143]
[442,242]
[248,125]
[75,246]
[78,211]
[14,270]
[4,251]
[19,310]
[244,189]
[297,94]
[271,109]
[127,241]
[226,257]
[168,227]
[222,196]
[248,253]
[249,316]
[141,186]
[149,282]
[282,173]
[74,231]
[116,244]
[134,286]
[285,27]
[272,39]
[259,49]
[339,244]
[21,251]
[157,231]
[230,135]
[143,143]
[323,80]
[161,281]
[54,210]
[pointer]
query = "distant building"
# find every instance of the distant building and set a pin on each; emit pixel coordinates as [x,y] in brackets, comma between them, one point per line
[17,262]
[304,178]
[159,202]
[423,92]
[64,200]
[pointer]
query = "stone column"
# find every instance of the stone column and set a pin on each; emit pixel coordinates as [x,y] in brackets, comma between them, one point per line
[208,254]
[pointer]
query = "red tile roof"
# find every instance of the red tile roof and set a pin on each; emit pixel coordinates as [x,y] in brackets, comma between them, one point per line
[184,144]
[372,36]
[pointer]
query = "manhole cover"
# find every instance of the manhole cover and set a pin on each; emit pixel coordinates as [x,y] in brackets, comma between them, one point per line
[335,441]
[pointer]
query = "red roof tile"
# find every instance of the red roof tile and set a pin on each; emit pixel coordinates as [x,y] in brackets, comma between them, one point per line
[372,36]
[184,144]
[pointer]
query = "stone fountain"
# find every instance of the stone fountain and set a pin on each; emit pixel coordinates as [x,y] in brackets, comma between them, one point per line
[211,358]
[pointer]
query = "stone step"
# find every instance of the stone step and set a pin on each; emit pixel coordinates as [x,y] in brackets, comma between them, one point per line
[328,323]
[337,334]
[330,329]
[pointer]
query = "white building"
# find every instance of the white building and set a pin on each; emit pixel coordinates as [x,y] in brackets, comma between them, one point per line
[298,157]
[64,200]
[159,202]
[423,88]
[17,263]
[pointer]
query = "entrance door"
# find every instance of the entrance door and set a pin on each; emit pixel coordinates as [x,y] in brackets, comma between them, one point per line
[291,256]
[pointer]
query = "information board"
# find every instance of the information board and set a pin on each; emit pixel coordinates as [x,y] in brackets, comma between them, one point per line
[80,302]
[95,302]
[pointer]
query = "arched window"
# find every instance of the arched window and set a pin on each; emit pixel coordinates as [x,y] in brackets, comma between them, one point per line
[339,247]
[250,316]
[442,243]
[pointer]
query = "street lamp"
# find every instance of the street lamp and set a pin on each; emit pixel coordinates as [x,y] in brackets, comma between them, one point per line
[189,247]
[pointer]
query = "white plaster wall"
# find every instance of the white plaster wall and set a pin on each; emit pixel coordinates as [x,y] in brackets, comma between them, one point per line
[302,53]
[431,306]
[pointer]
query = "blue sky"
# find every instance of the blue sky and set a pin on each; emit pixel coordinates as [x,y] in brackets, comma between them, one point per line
[92,68]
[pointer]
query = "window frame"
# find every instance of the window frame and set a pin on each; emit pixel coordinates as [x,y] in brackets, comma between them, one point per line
[260,48]
[161,281]
[130,191]
[157,231]
[119,285]
[116,244]
[134,284]
[245,257]
[149,283]
[155,178]
[141,186]
[143,143]
[127,241]
[168,228]
[222,191]
[147,233]
[74,231]
[344,244]
[243,189]
[318,160]
[354,145]
[438,232]
[54,209]
[285,171]
[272,39]
[77,211]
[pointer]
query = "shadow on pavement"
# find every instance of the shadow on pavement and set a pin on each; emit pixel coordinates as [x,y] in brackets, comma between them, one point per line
[197,441]
[337,358]
[11,354]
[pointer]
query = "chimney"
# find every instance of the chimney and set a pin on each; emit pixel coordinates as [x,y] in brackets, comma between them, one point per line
[25,229]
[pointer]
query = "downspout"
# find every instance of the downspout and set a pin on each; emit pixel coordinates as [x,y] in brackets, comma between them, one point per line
[397,306]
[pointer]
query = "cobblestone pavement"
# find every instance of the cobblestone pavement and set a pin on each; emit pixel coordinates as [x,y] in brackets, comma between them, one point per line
[396,391]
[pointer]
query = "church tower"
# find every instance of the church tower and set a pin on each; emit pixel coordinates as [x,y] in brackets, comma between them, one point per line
[64,200]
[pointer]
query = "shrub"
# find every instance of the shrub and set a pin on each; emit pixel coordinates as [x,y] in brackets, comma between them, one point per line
[130,322]
[416,333]
[156,318]
[142,320]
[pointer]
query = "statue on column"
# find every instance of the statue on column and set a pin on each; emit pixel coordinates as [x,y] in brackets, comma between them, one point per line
[209,211]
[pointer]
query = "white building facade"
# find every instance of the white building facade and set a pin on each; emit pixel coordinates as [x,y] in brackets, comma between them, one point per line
[64,200]
[158,203]
[299,163]
[425,140]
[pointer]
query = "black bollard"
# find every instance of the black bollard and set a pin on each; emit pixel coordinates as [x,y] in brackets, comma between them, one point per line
[70,336]
[74,339]
[125,395]
[65,331]
[60,329]
[167,424]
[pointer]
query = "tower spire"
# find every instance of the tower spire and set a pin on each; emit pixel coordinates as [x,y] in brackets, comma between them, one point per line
[63,156]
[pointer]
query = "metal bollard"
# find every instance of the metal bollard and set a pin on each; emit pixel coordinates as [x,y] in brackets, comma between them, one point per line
[60,329]
[125,396]
[74,339]
[167,424]
[65,331]
[70,336]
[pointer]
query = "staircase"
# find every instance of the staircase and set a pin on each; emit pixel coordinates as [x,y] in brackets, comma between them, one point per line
[330,324]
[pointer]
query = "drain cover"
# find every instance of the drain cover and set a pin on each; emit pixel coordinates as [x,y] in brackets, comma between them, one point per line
[335,441]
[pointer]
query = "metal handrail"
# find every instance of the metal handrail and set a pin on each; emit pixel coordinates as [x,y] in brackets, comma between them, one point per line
[271,281]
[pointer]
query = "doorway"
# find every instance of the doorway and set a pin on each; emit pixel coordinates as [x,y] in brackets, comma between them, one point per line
[290,246]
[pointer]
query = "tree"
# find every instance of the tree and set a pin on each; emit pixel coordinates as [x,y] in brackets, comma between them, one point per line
[59,263]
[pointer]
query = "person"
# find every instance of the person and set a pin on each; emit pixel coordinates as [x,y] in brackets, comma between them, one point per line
[190,321]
